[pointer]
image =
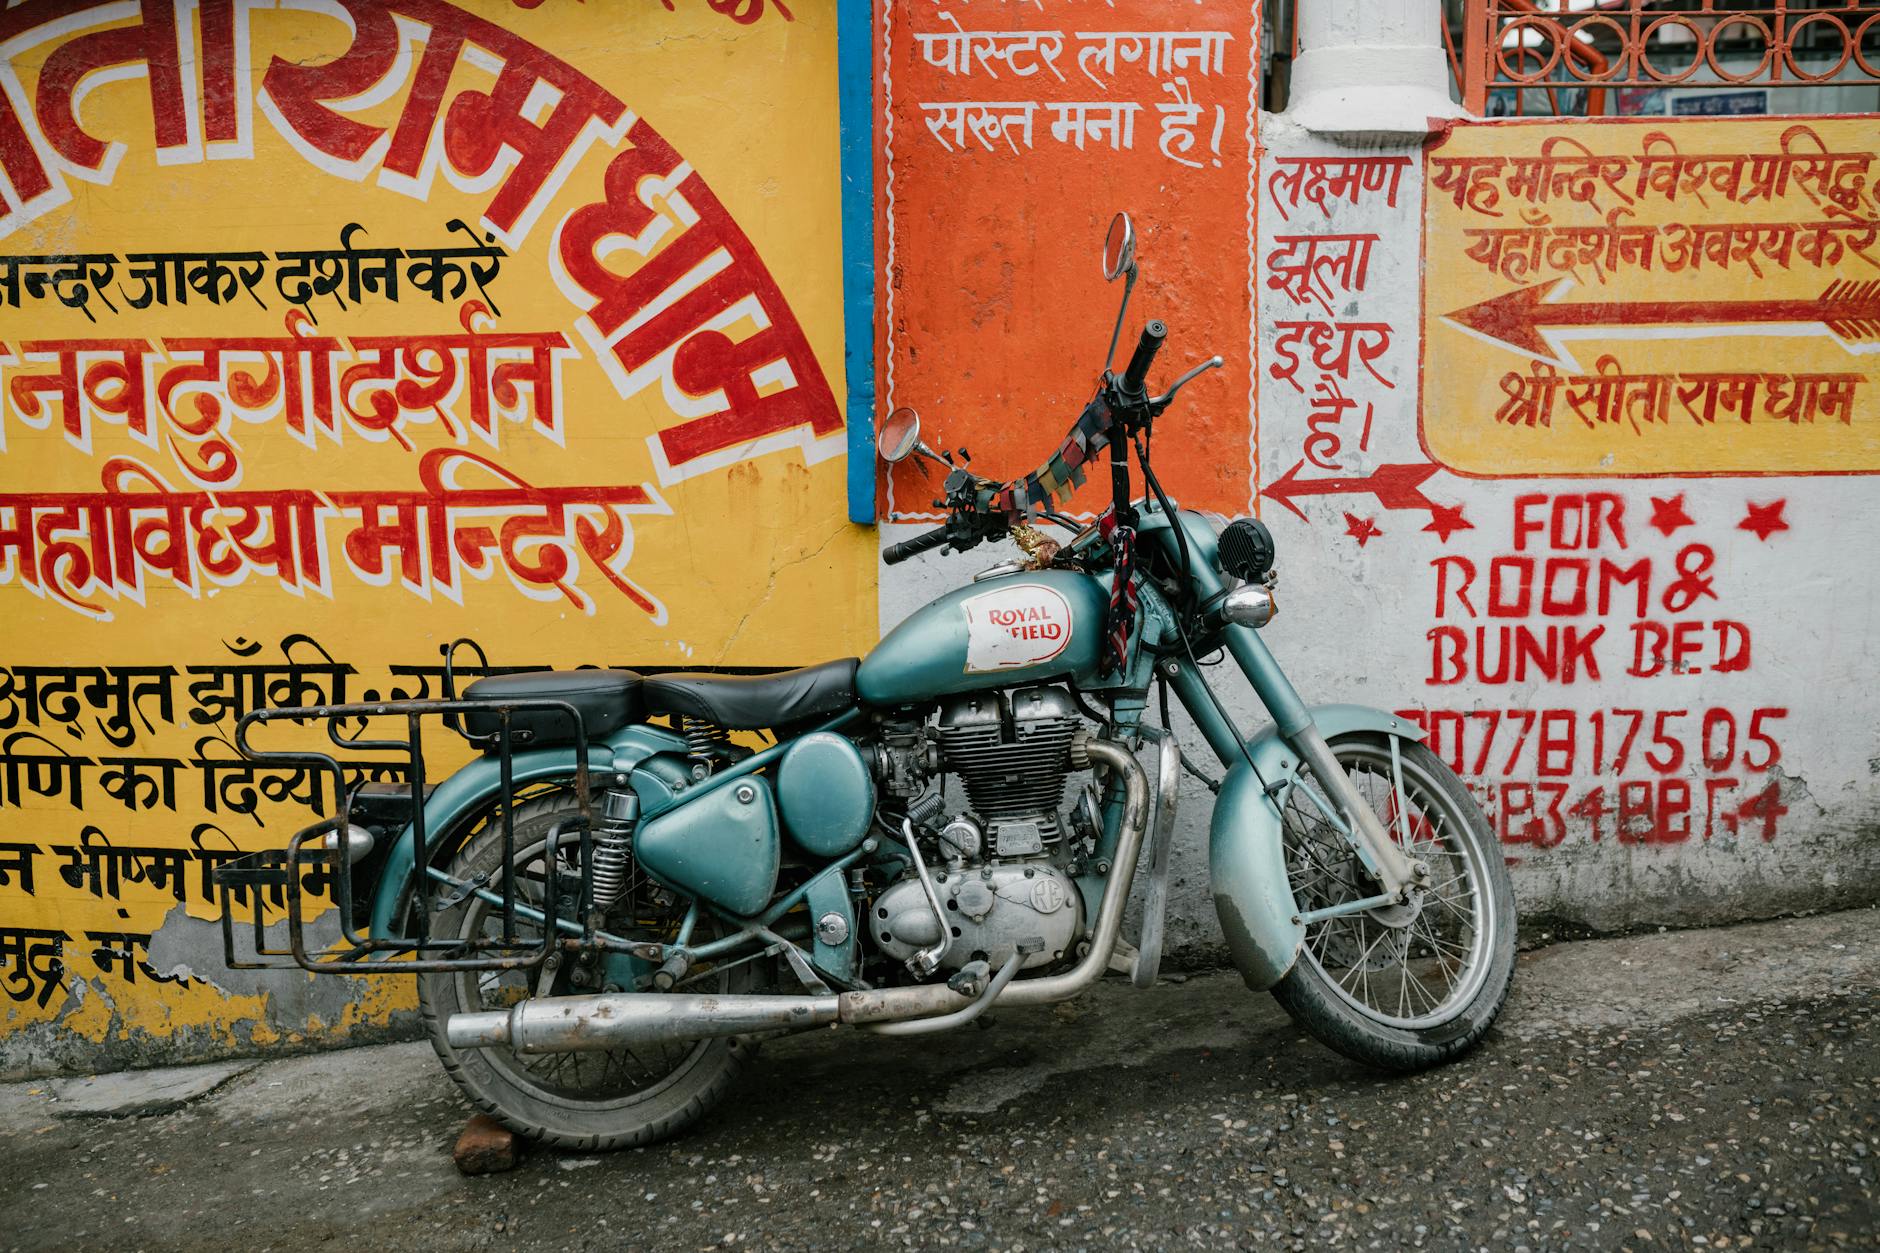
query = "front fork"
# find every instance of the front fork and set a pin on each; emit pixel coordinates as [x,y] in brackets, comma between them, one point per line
[1382,857]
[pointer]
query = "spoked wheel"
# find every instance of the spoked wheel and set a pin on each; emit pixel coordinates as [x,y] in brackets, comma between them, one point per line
[588,1100]
[1410,985]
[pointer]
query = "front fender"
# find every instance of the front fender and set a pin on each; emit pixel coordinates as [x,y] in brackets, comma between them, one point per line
[1246,859]
[478,784]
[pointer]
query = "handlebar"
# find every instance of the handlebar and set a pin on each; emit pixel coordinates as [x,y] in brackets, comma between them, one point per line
[1123,403]
[895,554]
[1146,348]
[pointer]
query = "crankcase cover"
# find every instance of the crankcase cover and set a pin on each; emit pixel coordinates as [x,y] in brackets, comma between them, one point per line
[989,909]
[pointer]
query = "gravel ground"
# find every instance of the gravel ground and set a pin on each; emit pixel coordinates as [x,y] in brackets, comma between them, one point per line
[1693,1090]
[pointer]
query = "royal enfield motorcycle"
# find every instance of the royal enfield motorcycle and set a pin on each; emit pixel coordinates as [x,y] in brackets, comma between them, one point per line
[637,878]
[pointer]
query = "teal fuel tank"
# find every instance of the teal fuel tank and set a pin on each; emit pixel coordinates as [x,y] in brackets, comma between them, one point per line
[1021,628]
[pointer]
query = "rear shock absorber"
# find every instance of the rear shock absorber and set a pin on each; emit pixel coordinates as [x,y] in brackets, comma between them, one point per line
[705,742]
[613,845]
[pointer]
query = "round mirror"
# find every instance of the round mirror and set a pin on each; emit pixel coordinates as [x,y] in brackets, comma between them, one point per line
[897,435]
[1119,248]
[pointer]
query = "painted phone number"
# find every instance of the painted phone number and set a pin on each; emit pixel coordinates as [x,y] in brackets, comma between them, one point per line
[1554,743]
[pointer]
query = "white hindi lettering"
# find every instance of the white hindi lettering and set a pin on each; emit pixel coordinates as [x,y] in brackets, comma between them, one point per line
[1024,52]
[1177,59]
[1159,52]
[961,53]
[985,121]
[958,124]
[1076,121]
[1180,116]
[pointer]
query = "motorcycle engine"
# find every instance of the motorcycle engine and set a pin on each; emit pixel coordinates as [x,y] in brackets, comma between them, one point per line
[1013,754]
[1003,877]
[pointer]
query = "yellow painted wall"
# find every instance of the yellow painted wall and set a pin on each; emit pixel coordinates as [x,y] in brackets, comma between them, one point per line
[677,500]
[1649,298]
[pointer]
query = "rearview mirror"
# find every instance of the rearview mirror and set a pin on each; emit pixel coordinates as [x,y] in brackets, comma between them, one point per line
[898,435]
[1119,248]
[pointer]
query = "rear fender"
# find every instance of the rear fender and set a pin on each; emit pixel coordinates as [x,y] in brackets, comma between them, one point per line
[479,785]
[1246,859]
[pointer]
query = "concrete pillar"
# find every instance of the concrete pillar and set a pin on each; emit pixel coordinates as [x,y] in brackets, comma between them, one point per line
[1370,67]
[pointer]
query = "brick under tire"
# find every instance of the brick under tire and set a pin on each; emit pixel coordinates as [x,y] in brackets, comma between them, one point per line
[1412,1036]
[515,1089]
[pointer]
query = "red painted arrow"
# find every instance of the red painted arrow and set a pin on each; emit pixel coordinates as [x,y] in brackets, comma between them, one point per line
[1850,310]
[1395,486]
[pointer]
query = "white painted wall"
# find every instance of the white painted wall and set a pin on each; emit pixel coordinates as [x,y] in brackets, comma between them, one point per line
[1357,621]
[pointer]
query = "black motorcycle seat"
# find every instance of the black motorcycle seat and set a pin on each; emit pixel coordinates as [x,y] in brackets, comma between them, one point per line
[743,702]
[606,700]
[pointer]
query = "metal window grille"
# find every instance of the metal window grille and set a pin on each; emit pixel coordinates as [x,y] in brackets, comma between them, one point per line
[1552,47]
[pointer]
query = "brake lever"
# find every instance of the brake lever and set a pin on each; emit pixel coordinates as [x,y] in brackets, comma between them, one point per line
[1161,402]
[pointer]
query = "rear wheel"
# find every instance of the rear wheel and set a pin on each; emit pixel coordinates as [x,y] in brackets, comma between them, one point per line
[1405,986]
[589,1100]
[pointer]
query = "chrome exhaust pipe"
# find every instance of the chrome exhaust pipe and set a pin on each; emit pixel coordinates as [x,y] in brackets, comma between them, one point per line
[565,1024]
[574,1024]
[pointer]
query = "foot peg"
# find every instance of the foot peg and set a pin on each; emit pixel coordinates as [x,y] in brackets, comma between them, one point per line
[982,1000]
[970,980]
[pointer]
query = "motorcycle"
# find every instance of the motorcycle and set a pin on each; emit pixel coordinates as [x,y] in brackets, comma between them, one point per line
[620,895]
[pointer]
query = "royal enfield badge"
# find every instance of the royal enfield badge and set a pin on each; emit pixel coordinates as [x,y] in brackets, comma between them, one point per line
[1010,628]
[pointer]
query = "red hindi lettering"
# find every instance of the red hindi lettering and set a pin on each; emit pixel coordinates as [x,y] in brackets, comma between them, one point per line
[695,356]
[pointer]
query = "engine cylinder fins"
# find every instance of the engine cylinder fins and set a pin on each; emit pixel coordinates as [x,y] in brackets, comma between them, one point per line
[1012,755]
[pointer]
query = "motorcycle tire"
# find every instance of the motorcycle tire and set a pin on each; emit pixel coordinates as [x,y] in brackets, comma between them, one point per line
[583,1101]
[1329,990]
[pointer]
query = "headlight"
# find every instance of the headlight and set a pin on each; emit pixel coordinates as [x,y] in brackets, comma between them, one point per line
[1246,549]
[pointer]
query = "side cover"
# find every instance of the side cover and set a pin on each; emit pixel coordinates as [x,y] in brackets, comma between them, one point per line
[1246,859]
[721,844]
[825,793]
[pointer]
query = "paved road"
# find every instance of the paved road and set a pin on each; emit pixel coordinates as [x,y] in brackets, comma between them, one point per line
[1693,1090]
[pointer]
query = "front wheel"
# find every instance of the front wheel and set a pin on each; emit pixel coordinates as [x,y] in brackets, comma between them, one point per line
[1405,986]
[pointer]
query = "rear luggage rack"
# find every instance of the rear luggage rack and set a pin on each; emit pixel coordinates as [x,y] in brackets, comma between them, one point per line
[262,887]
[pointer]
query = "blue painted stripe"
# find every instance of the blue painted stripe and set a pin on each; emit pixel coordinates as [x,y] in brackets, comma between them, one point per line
[855,70]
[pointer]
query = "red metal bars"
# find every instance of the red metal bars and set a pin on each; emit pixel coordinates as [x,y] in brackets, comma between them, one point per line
[1648,43]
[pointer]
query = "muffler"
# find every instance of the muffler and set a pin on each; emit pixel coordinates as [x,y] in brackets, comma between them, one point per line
[571,1024]
[567,1024]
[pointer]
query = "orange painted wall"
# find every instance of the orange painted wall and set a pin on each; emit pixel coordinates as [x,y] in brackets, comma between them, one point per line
[995,184]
